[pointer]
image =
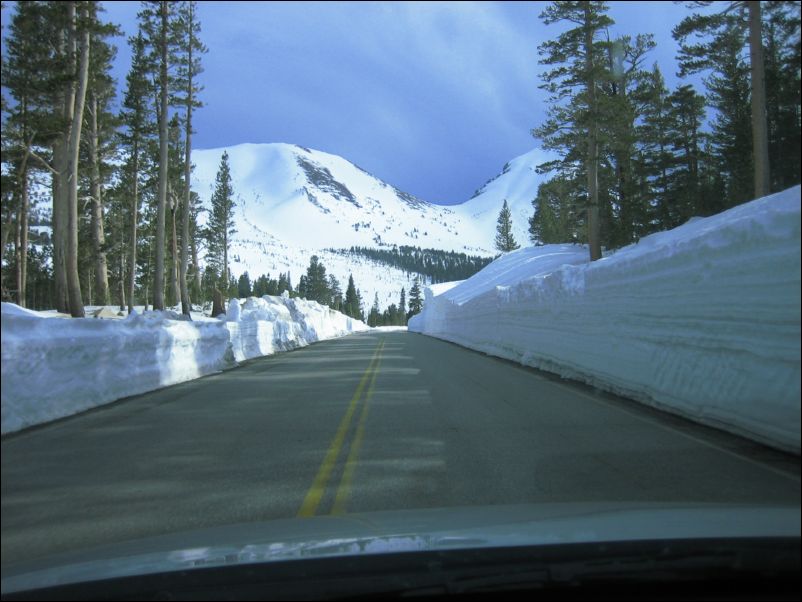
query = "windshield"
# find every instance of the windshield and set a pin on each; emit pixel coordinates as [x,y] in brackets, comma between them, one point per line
[361,278]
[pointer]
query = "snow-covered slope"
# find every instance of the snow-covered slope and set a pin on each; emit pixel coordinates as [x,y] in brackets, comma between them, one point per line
[517,183]
[703,320]
[314,200]
[293,202]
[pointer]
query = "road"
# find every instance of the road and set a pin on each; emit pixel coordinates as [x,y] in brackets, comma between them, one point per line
[375,421]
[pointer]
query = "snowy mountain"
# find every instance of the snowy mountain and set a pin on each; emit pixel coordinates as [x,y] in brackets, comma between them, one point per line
[294,202]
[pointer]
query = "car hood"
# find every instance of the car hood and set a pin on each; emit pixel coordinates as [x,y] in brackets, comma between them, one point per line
[402,531]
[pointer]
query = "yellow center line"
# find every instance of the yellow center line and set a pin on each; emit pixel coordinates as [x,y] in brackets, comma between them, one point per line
[344,490]
[315,493]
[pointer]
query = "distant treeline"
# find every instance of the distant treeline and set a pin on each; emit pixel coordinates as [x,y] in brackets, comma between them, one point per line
[436,265]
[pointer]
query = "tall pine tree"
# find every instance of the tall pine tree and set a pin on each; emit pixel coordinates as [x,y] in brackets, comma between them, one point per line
[505,241]
[579,63]
[220,228]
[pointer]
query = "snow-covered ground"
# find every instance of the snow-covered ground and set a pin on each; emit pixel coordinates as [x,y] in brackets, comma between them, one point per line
[702,320]
[53,367]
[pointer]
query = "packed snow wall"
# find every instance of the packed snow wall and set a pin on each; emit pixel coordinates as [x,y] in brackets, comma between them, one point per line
[55,367]
[702,320]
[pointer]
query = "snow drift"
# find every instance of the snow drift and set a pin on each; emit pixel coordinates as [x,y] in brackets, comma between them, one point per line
[702,320]
[54,367]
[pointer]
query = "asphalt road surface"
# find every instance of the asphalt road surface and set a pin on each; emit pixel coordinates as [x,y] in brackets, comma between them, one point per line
[375,421]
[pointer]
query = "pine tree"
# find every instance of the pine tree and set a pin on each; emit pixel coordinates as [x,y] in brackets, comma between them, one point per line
[317,284]
[244,286]
[189,68]
[736,89]
[27,72]
[335,293]
[782,66]
[624,95]
[575,115]
[220,228]
[78,20]
[505,241]
[139,129]
[284,284]
[100,145]
[374,317]
[402,308]
[351,300]
[556,213]
[156,21]
[415,302]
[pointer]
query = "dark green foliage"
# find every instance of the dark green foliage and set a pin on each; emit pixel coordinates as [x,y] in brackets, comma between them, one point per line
[505,241]
[660,163]
[220,227]
[558,206]
[315,285]
[781,35]
[415,301]
[434,264]
[353,302]
[717,45]
[244,286]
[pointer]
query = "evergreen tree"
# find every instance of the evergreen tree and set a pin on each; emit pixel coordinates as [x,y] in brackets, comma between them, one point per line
[244,286]
[625,218]
[317,284]
[335,294]
[26,76]
[415,301]
[220,227]
[739,131]
[351,300]
[782,66]
[556,213]
[402,308]
[575,115]
[302,288]
[505,241]
[100,147]
[138,131]
[189,68]
[374,317]
[284,284]
[156,22]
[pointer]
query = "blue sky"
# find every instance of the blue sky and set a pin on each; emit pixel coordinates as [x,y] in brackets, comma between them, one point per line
[431,97]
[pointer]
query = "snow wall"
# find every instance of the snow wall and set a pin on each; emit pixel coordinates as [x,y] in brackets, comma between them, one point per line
[702,320]
[54,367]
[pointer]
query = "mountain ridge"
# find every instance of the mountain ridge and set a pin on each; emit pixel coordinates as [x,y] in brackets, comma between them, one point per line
[293,202]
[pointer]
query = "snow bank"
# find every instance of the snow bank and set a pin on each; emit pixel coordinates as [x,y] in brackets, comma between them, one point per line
[702,320]
[54,367]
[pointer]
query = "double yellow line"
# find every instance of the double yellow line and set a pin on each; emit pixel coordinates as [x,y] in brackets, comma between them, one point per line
[318,488]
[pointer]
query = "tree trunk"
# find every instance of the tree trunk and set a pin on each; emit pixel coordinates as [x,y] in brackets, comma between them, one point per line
[98,234]
[134,220]
[196,275]
[218,305]
[60,188]
[71,260]
[122,274]
[760,139]
[174,295]
[225,260]
[592,159]
[186,305]
[21,233]
[8,225]
[158,279]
